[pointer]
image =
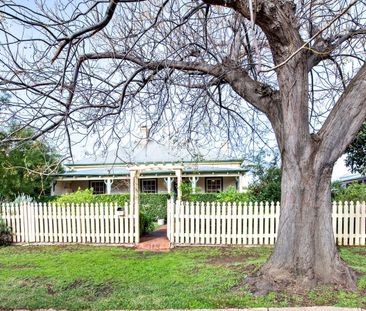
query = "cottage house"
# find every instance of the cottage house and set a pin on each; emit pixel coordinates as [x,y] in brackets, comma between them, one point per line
[161,169]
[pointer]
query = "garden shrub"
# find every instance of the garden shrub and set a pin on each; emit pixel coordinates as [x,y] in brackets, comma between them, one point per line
[267,185]
[186,189]
[78,197]
[23,198]
[229,195]
[146,223]
[354,192]
[6,237]
[154,205]
[203,197]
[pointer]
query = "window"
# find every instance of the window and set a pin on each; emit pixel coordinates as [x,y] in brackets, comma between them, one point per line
[149,186]
[98,186]
[213,184]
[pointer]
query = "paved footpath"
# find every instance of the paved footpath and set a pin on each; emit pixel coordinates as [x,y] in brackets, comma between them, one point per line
[255,309]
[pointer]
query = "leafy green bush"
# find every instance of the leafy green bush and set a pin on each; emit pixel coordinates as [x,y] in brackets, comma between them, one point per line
[186,189]
[23,198]
[267,186]
[154,204]
[6,237]
[203,197]
[229,195]
[80,196]
[336,188]
[354,192]
[146,223]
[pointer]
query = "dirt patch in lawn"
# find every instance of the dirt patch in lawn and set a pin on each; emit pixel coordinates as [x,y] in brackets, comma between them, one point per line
[22,266]
[246,270]
[50,289]
[363,253]
[76,284]
[227,258]
[32,282]
[96,292]
[93,291]
[41,249]
[137,255]
[104,290]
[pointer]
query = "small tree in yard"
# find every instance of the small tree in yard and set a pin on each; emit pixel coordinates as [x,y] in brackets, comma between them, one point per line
[26,167]
[267,184]
[202,68]
[354,192]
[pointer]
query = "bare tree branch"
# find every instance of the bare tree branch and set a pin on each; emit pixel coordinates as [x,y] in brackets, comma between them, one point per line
[92,30]
[345,119]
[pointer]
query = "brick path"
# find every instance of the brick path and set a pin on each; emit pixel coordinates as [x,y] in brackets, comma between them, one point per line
[155,241]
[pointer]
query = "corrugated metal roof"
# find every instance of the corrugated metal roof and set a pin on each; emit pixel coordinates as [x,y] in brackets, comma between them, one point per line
[205,169]
[153,152]
[351,177]
[100,171]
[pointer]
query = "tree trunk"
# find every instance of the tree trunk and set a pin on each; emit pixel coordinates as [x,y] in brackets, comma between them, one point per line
[305,253]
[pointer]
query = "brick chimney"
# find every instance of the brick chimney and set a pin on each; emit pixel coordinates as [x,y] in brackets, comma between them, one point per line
[144,134]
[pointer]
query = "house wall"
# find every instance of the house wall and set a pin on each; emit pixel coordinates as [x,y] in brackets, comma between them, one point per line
[122,186]
[162,186]
[227,182]
[63,187]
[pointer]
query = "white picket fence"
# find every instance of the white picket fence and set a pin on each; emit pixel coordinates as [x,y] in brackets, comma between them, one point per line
[70,223]
[189,223]
[213,223]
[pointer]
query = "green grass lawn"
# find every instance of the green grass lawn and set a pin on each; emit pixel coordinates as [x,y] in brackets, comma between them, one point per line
[87,277]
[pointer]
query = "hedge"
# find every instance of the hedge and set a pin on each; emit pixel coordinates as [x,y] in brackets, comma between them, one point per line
[219,197]
[153,205]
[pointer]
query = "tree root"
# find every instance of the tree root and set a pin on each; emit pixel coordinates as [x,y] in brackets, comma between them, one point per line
[270,279]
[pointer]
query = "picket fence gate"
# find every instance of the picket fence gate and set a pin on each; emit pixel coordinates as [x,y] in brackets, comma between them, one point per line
[71,223]
[215,223]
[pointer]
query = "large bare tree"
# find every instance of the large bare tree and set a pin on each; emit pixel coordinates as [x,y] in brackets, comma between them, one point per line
[94,65]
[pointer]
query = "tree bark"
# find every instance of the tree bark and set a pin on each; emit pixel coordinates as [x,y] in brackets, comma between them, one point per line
[305,253]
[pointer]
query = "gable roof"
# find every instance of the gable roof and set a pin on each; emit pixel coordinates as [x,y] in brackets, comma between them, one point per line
[153,152]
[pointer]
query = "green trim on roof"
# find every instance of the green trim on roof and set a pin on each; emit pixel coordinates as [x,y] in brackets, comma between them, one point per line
[87,175]
[190,172]
[134,163]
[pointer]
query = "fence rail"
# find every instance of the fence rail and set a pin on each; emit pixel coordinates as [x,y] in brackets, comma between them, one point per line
[214,223]
[70,223]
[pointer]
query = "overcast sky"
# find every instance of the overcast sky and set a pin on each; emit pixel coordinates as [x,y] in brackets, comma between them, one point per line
[340,169]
